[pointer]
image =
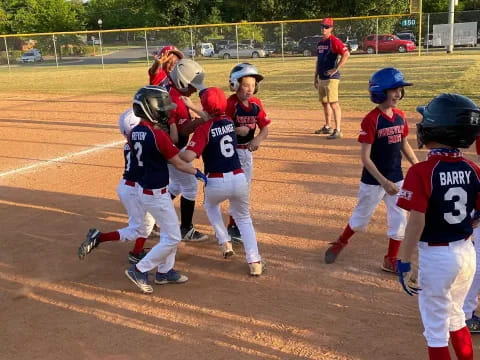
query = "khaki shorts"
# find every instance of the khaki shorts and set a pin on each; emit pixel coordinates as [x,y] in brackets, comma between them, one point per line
[328,90]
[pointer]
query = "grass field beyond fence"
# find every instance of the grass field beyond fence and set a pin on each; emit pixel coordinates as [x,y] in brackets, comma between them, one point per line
[287,84]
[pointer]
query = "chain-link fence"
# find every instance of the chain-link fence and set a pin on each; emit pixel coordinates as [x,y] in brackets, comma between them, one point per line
[363,35]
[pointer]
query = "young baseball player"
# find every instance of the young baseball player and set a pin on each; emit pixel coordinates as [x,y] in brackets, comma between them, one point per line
[247,112]
[216,142]
[140,223]
[153,149]
[440,194]
[471,300]
[383,139]
[163,65]
[186,78]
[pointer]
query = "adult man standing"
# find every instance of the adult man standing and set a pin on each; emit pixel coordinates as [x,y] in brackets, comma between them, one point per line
[327,77]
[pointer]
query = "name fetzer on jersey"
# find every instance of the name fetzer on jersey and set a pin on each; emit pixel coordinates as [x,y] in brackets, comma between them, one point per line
[455,177]
[226,129]
[139,136]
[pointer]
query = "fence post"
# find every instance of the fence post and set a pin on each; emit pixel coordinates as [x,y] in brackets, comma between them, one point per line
[191,43]
[451,21]
[420,31]
[428,31]
[236,38]
[376,37]
[6,51]
[146,48]
[283,57]
[55,49]
[101,48]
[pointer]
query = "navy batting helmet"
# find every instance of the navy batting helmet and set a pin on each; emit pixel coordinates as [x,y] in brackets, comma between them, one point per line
[384,79]
[449,119]
[153,104]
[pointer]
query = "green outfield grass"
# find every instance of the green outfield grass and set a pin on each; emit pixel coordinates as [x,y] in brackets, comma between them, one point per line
[287,84]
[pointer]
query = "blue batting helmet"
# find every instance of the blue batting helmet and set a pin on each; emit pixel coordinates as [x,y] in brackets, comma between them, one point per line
[384,79]
[449,119]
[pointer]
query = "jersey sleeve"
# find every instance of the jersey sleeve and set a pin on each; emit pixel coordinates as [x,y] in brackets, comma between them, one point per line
[416,189]
[368,128]
[164,144]
[338,46]
[230,112]
[406,129]
[199,139]
[262,118]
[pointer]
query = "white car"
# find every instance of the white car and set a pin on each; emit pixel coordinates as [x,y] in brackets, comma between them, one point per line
[206,49]
[33,56]
[244,51]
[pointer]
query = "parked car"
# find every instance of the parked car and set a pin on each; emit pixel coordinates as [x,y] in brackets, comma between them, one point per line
[32,56]
[93,41]
[387,43]
[308,45]
[221,44]
[206,49]
[352,44]
[189,52]
[407,35]
[243,51]
[270,48]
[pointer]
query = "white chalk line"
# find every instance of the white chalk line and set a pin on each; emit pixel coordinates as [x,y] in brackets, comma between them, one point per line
[61,158]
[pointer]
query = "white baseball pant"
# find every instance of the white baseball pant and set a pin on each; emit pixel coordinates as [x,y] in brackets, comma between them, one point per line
[160,205]
[235,189]
[182,183]
[445,274]
[140,223]
[369,196]
[471,301]
[246,161]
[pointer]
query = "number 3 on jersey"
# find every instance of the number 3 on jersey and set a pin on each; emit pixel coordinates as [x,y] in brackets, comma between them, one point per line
[460,205]
[226,146]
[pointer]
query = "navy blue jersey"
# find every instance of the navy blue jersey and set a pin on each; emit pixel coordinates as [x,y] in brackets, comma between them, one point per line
[385,134]
[216,142]
[152,149]
[327,56]
[132,172]
[250,116]
[446,189]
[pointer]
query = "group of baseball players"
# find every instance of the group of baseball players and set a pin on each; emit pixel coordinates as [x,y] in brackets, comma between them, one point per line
[165,131]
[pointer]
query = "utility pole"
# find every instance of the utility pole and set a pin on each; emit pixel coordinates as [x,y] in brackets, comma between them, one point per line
[451,21]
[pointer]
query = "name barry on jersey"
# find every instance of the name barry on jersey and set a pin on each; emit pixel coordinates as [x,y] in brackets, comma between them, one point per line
[455,177]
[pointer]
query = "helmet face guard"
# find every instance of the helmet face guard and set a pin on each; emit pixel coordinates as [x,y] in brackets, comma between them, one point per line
[153,103]
[449,119]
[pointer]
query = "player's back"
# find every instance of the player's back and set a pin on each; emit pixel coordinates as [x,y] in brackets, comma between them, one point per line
[219,154]
[455,187]
[146,142]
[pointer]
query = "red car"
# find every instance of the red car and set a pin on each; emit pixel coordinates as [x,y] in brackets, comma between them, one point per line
[387,43]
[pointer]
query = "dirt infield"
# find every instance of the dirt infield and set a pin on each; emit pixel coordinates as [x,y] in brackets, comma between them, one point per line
[55,306]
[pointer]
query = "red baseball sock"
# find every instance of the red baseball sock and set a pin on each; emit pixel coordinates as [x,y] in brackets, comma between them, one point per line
[462,343]
[138,248]
[111,236]
[231,221]
[347,234]
[393,247]
[439,353]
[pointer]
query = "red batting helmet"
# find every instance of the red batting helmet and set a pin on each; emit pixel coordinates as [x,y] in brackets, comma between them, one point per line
[171,49]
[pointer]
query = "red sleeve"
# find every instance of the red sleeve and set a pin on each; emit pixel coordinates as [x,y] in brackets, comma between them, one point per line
[262,118]
[368,129]
[199,138]
[231,106]
[405,126]
[477,172]
[164,144]
[417,188]
[338,47]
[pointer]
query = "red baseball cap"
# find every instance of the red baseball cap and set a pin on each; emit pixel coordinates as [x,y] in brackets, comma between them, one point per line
[327,22]
[214,101]
[171,49]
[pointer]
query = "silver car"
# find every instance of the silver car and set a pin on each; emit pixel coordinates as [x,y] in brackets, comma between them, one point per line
[244,51]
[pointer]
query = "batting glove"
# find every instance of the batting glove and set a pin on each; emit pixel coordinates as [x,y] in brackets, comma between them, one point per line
[405,278]
[201,176]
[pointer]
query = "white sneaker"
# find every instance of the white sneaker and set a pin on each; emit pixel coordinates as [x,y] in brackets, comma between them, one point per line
[256,268]
[227,249]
